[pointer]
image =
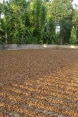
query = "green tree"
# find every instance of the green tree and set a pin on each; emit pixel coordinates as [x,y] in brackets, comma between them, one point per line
[39,18]
[35,21]
[75,22]
[62,11]
[73,36]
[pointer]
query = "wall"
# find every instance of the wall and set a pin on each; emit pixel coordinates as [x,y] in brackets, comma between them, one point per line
[33,46]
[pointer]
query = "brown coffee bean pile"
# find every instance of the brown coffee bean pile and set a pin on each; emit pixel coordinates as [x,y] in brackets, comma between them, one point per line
[39,83]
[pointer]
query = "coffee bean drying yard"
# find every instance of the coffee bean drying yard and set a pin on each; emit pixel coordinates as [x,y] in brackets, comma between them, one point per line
[39,83]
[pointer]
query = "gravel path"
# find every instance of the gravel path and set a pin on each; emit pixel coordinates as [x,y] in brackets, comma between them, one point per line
[39,83]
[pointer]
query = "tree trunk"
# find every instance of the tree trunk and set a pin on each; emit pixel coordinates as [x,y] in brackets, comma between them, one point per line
[61,41]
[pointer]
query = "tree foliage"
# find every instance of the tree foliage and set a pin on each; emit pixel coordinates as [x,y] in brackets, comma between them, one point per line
[35,21]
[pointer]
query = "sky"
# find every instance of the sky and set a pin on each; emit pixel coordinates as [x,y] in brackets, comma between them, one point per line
[75,1]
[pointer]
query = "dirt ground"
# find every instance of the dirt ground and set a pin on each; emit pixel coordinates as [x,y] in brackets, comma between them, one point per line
[39,83]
